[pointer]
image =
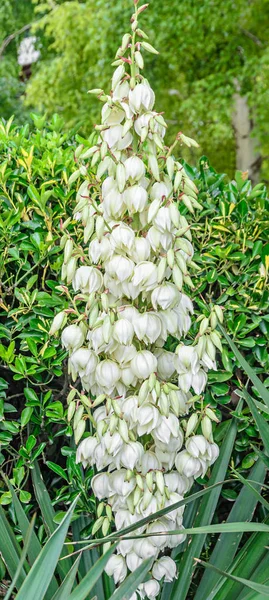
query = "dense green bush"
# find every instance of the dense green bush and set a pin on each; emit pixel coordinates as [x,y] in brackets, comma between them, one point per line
[37,196]
[232,251]
[232,258]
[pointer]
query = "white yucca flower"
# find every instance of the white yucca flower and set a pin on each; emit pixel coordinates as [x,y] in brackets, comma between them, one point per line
[130,280]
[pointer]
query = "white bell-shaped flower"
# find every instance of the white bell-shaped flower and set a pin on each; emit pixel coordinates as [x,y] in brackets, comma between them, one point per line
[134,168]
[143,364]
[120,267]
[140,251]
[147,418]
[87,279]
[148,327]
[123,331]
[141,97]
[116,567]
[107,374]
[85,451]
[145,276]
[164,568]
[151,589]
[135,197]
[72,337]
[122,237]
[100,484]
[165,296]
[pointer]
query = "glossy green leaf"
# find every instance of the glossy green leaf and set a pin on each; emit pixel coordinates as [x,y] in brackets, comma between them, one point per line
[259,420]
[263,391]
[10,549]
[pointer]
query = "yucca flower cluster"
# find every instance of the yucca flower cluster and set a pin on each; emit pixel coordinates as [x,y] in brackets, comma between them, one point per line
[147,441]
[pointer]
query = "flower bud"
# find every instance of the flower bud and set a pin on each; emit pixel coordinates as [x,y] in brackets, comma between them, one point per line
[191,424]
[68,250]
[78,432]
[58,322]
[206,426]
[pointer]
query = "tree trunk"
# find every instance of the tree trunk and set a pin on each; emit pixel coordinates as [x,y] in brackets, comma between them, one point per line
[247,156]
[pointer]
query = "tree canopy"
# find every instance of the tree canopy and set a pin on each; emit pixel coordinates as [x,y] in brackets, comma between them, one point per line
[209,51]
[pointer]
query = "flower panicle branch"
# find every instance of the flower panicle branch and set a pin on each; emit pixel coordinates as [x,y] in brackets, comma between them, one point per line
[147,441]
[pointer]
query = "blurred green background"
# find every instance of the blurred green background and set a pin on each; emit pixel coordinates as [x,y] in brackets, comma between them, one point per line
[211,78]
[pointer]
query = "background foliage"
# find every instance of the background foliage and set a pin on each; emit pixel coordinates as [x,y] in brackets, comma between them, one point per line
[207,51]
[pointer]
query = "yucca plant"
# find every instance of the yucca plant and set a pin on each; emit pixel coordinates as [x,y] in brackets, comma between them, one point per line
[233,571]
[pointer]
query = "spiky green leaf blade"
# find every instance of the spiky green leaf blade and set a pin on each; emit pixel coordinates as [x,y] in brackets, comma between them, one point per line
[227,544]
[260,575]
[246,561]
[10,548]
[66,587]
[253,487]
[43,499]
[24,553]
[88,558]
[238,527]
[205,515]
[37,581]
[258,587]
[263,391]
[88,582]
[35,547]
[129,586]
[259,420]
[48,513]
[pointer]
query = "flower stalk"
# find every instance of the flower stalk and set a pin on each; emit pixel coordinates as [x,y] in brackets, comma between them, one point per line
[148,442]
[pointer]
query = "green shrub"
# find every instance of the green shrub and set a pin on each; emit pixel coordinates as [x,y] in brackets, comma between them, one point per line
[35,198]
[232,251]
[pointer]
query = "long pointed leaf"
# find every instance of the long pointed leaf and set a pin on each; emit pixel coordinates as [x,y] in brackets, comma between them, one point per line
[22,559]
[35,547]
[252,488]
[43,499]
[204,516]
[48,513]
[37,581]
[226,546]
[87,583]
[263,391]
[10,548]
[67,585]
[129,586]
[260,575]
[258,587]
[88,558]
[244,564]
